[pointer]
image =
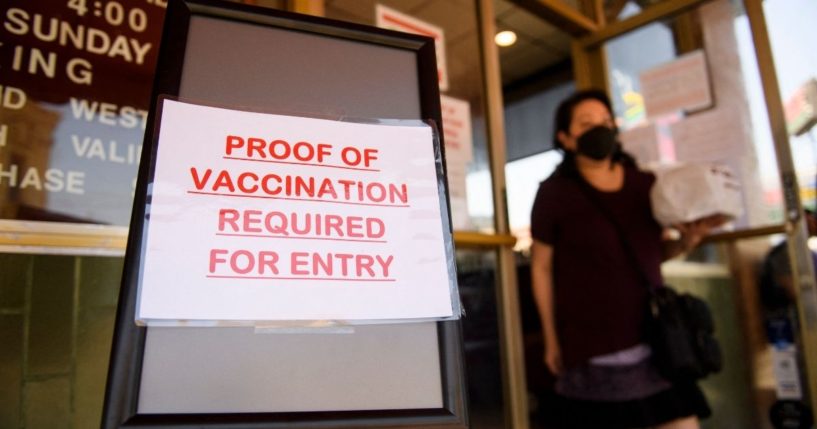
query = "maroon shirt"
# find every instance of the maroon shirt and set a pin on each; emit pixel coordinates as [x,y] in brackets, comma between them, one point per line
[600,301]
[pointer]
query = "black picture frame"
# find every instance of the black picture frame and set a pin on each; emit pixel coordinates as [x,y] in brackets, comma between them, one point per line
[124,373]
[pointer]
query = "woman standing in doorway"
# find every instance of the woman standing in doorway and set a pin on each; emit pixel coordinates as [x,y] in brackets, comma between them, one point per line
[591,298]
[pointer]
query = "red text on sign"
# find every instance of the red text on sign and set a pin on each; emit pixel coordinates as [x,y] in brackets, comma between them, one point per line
[345,264]
[245,261]
[302,224]
[258,148]
[352,156]
[299,186]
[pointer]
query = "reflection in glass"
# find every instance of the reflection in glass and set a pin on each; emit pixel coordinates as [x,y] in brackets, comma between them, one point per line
[74,94]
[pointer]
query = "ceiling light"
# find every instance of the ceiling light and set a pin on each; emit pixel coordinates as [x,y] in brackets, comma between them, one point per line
[505,38]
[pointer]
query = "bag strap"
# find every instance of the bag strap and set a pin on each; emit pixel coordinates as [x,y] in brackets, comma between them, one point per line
[592,196]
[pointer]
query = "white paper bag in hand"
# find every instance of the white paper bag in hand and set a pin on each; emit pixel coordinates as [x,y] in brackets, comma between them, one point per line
[686,193]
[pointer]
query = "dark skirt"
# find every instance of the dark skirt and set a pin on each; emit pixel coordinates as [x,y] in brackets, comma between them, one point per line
[679,401]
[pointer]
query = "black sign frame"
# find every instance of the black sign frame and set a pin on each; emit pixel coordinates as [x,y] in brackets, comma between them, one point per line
[124,374]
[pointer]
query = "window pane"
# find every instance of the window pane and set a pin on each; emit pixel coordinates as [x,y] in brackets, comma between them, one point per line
[74,108]
[791,25]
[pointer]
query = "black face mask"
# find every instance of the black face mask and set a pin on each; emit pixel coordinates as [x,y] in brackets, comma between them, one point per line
[597,143]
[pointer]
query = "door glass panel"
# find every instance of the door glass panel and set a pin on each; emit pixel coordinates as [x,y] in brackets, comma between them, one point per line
[476,274]
[687,90]
[680,123]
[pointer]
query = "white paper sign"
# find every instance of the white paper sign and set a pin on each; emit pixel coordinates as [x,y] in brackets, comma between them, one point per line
[459,141]
[786,374]
[258,217]
[459,153]
[682,84]
[391,19]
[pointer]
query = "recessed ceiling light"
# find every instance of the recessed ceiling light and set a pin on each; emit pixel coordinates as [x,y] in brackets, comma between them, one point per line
[505,38]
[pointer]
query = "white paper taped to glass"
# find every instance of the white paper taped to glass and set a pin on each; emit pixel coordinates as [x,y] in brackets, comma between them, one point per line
[255,218]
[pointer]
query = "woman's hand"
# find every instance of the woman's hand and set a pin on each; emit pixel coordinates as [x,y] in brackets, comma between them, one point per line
[553,359]
[692,233]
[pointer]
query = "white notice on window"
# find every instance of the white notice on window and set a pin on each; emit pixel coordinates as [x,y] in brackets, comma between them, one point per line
[458,154]
[708,136]
[682,84]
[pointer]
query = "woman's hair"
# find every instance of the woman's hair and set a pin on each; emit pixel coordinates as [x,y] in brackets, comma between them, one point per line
[564,116]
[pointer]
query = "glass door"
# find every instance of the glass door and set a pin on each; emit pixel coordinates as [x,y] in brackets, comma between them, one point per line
[695,82]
